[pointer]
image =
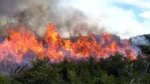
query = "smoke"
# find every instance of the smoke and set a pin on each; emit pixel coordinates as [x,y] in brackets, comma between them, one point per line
[69,20]
[36,14]
[32,14]
[139,40]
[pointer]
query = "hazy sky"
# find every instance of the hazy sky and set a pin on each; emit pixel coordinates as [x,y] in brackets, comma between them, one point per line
[125,17]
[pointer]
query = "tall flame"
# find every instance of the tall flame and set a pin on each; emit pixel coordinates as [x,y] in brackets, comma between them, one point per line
[15,47]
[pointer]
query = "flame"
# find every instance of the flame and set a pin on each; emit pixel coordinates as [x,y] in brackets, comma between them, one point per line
[15,47]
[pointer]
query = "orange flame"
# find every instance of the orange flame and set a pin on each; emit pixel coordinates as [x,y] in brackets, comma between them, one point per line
[57,49]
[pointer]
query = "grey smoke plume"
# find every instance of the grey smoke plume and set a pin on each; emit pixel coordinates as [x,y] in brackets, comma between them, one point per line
[140,40]
[36,14]
[32,14]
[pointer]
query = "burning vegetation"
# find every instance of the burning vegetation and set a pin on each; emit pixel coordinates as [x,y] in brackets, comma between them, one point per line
[20,47]
[75,49]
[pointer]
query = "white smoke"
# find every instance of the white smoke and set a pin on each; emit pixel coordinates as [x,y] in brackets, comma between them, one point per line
[36,14]
[115,17]
[71,17]
[140,40]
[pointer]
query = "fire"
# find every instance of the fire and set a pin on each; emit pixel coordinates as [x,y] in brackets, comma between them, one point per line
[18,44]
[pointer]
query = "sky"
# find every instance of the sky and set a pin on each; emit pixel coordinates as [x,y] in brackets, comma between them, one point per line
[126,18]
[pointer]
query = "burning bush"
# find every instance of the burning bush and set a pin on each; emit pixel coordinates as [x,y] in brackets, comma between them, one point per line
[20,47]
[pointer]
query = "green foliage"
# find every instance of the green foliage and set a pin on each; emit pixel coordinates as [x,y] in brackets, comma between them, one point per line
[145,49]
[108,79]
[4,80]
[114,70]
